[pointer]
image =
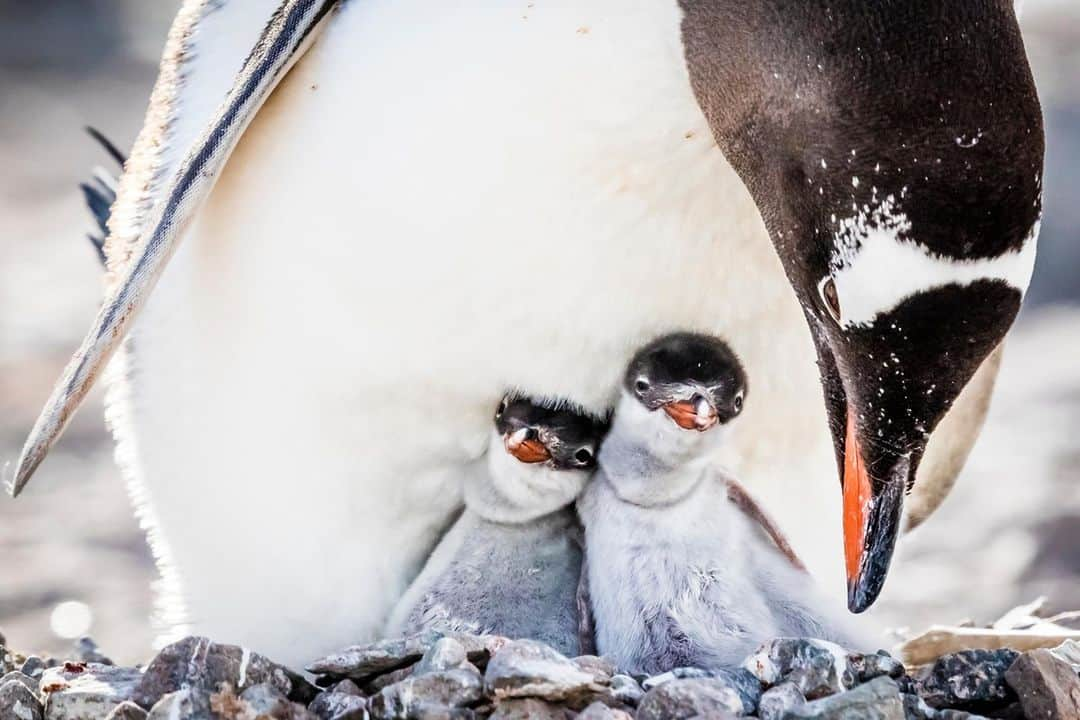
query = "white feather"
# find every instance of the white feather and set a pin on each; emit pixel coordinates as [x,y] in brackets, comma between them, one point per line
[876,266]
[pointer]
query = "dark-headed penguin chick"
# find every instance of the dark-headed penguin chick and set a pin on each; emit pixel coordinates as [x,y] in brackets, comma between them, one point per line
[511,565]
[683,569]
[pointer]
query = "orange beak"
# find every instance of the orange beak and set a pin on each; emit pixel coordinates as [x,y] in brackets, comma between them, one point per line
[690,416]
[872,509]
[856,502]
[526,450]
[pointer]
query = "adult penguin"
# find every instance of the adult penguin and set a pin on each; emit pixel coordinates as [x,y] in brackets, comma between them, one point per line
[429,202]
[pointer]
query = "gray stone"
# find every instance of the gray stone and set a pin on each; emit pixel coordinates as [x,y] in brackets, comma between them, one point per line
[878,699]
[446,654]
[530,709]
[686,698]
[1048,687]
[626,690]
[267,701]
[868,667]
[601,668]
[818,668]
[422,694]
[187,704]
[346,687]
[85,691]
[681,673]
[380,681]
[87,651]
[339,706]
[915,708]
[198,663]
[1069,651]
[778,699]
[18,702]
[972,680]
[525,668]
[600,711]
[33,666]
[361,662]
[437,712]
[127,710]
[16,676]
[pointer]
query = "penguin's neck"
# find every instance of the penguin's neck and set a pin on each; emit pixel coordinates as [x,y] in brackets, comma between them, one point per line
[649,460]
[505,490]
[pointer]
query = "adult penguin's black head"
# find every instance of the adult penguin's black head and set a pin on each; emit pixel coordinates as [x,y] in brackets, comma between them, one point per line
[895,150]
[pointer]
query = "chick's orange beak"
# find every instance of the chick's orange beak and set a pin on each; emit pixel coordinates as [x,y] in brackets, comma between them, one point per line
[690,415]
[525,448]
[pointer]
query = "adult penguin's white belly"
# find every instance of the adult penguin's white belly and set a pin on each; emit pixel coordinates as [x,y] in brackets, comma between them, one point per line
[438,203]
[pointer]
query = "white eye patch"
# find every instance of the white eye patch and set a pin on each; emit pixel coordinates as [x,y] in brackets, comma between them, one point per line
[875,268]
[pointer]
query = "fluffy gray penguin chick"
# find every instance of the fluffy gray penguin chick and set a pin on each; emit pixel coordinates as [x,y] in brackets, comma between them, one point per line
[511,564]
[680,571]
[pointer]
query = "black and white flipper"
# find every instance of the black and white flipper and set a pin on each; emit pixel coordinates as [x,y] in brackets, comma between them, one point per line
[100,193]
[285,38]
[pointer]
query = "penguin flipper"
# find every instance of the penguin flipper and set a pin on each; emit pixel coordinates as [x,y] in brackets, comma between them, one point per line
[100,193]
[289,33]
[586,622]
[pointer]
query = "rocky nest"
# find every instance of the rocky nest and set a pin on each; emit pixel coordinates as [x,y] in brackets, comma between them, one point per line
[433,676]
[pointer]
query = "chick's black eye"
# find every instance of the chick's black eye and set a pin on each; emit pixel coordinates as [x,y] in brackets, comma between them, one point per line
[583,455]
[641,385]
[501,409]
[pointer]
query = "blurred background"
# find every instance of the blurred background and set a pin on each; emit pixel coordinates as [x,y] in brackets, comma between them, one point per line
[72,558]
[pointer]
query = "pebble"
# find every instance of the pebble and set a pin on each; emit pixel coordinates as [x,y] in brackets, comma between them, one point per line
[530,709]
[346,687]
[681,673]
[18,702]
[878,699]
[265,700]
[196,662]
[526,668]
[1048,687]
[972,680]
[380,681]
[86,691]
[1069,651]
[818,668]
[361,662]
[685,698]
[777,700]
[16,676]
[600,711]
[127,710]
[447,689]
[335,705]
[868,667]
[446,654]
[602,669]
[626,690]
[181,705]
[33,666]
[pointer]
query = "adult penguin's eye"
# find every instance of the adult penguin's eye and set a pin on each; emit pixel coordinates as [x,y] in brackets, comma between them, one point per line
[583,456]
[641,385]
[738,402]
[502,408]
[830,298]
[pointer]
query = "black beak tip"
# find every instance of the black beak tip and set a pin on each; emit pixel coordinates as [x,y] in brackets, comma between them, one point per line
[864,591]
